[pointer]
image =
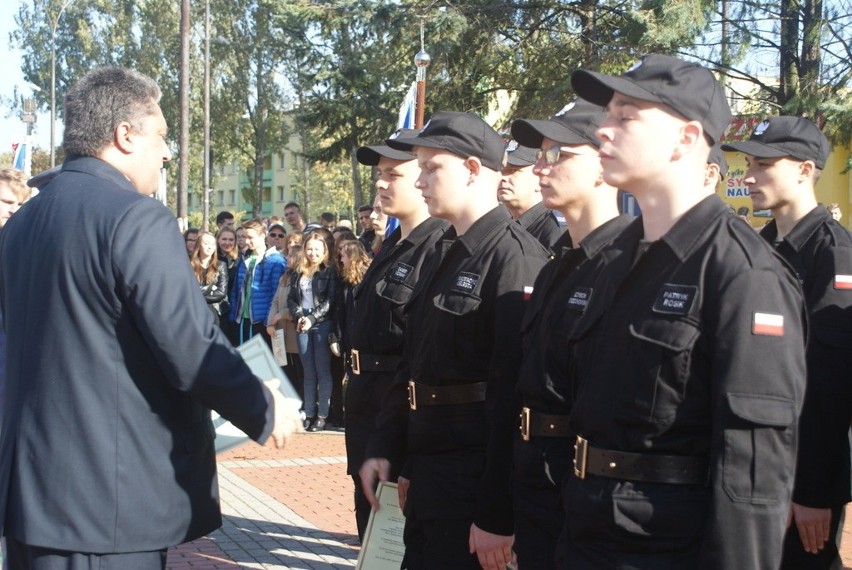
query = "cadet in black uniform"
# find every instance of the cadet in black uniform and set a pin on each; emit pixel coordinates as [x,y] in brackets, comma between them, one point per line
[462,352]
[570,174]
[785,157]
[690,383]
[520,193]
[375,331]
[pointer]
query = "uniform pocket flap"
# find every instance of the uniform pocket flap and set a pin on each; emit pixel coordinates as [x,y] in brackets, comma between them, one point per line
[675,335]
[395,293]
[456,303]
[762,409]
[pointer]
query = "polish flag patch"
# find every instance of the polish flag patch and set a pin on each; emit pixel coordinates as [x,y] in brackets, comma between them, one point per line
[527,292]
[768,324]
[843,281]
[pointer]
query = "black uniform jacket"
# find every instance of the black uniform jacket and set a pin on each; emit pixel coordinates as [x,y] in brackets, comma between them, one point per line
[543,225]
[113,362]
[378,320]
[543,382]
[464,327]
[700,353]
[820,252]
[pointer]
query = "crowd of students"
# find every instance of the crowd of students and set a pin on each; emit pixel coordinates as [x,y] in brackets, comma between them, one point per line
[258,279]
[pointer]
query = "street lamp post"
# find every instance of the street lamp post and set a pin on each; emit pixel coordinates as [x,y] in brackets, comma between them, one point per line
[206,178]
[53,84]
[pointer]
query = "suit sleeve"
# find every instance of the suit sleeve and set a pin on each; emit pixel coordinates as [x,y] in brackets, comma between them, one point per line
[160,292]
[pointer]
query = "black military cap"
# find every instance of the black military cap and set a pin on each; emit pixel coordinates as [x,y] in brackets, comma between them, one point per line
[717,157]
[370,155]
[463,134]
[519,155]
[785,136]
[575,123]
[688,88]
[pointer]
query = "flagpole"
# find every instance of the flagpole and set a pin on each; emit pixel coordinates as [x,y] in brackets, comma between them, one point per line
[422,61]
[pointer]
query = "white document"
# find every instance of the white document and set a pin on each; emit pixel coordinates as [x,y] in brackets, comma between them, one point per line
[383,547]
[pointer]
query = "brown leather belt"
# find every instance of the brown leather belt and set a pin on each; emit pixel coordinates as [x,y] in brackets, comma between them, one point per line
[676,469]
[420,395]
[542,425]
[373,362]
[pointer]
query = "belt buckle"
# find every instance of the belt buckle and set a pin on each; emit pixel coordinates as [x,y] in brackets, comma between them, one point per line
[412,395]
[356,362]
[525,424]
[581,452]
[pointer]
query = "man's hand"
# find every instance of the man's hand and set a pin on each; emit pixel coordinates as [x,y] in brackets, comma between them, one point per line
[285,416]
[372,471]
[813,525]
[494,551]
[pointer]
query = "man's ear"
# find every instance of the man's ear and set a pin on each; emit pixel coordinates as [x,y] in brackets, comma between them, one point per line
[473,164]
[807,168]
[123,136]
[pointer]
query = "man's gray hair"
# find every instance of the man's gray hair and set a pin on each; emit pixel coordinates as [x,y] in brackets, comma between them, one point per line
[101,100]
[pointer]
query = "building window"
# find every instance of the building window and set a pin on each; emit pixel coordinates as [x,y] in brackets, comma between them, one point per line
[221,197]
[280,193]
[283,162]
[233,195]
[267,194]
[267,162]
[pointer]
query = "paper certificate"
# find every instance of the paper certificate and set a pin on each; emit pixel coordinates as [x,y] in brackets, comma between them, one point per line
[383,547]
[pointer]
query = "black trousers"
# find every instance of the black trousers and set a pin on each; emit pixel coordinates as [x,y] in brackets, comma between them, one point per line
[20,556]
[437,543]
[795,557]
[539,466]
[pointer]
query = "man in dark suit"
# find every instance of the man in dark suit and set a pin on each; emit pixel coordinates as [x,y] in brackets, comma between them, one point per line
[106,448]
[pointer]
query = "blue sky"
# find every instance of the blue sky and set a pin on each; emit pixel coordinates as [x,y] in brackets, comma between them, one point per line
[11,128]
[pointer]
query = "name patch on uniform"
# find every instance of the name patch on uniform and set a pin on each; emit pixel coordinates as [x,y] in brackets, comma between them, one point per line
[675,299]
[843,281]
[466,282]
[399,272]
[579,299]
[768,324]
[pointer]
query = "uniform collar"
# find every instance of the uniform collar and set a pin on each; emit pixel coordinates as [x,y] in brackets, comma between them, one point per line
[425,228]
[534,214]
[603,235]
[687,233]
[481,229]
[802,231]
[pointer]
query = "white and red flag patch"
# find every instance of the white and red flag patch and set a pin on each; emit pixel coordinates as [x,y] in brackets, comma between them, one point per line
[768,324]
[843,281]
[527,292]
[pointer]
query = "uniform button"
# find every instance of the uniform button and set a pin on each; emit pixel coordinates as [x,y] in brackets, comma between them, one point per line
[612,464]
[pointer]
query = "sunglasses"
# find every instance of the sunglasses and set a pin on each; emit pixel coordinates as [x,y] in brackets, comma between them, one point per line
[276,235]
[552,155]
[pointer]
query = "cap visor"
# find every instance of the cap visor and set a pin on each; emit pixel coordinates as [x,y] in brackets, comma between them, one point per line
[409,143]
[370,155]
[756,149]
[532,132]
[598,88]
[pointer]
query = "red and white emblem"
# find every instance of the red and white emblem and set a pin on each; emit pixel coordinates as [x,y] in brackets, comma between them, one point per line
[768,324]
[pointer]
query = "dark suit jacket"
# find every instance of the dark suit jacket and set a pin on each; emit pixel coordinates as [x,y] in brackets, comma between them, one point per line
[113,359]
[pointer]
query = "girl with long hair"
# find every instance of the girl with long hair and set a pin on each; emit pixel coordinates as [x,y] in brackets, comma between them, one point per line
[227,253]
[212,274]
[311,300]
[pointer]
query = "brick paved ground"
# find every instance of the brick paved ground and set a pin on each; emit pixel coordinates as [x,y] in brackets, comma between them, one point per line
[292,508]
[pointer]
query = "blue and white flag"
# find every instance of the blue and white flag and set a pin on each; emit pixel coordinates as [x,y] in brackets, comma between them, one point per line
[21,159]
[408,108]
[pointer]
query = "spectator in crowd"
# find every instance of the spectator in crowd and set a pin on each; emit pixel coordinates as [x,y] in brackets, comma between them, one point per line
[290,240]
[190,236]
[345,223]
[227,253]
[13,192]
[367,231]
[519,191]
[224,219]
[241,241]
[327,221]
[785,158]
[379,220]
[107,446]
[281,319]
[276,234]
[212,274]
[353,263]
[835,211]
[340,235]
[311,303]
[257,280]
[293,215]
